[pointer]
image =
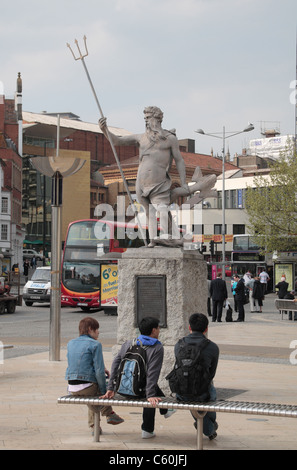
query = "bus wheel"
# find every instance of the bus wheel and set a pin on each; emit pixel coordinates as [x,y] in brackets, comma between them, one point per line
[85,309]
[2,307]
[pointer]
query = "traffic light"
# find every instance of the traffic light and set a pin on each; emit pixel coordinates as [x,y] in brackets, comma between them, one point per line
[202,248]
[211,247]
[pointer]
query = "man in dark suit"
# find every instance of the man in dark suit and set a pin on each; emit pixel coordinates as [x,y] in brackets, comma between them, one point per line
[218,292]
[240,297]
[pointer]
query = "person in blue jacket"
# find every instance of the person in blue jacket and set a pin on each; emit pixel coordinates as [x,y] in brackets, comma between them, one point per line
[149,333]
[86,373]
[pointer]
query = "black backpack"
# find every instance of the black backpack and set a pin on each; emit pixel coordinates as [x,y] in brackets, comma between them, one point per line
[131,374]
[189,377]
[229,312]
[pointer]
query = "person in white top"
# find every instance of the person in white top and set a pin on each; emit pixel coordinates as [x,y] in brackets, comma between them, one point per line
[247,277]
[264,278]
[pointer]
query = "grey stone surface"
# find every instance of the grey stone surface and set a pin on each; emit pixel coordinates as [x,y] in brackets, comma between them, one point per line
[186,286]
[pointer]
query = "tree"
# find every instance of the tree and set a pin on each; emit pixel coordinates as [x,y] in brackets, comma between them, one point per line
[272,206]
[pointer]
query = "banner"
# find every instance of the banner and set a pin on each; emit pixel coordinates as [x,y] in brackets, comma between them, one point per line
[109,285]
[216,238]
[272,146]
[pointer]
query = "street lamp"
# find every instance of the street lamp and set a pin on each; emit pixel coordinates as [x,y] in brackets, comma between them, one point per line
[223,136]
[57,168]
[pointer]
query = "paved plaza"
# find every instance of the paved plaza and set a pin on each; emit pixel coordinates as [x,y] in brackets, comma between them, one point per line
[256,364]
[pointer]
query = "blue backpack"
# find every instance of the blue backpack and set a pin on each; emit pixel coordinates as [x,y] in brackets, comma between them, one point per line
[131,374]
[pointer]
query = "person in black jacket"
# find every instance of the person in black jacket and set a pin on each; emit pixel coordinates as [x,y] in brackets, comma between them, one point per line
[218,292]
[240,297]
[258,294]
[282,287]
[198,326]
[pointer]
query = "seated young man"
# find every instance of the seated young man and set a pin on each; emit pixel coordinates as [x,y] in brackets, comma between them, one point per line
[149,334]
[198,326]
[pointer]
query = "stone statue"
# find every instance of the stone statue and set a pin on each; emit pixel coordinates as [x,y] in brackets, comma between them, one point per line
[157,149]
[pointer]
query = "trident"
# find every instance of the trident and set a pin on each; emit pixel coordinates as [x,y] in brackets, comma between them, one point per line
[81,57]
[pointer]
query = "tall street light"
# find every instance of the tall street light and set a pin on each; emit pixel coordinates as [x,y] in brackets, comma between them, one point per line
[223,136]
[57,168]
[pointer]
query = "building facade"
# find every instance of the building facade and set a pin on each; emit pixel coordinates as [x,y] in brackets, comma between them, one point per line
[11,241]
[82,192]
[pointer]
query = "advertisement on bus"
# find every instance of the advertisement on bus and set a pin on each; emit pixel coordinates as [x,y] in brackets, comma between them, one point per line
[109,285]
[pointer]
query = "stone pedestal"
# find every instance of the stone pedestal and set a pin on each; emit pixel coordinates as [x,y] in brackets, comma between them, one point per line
[184,276]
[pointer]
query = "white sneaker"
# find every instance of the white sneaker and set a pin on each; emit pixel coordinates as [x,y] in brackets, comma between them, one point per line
[169,413]
[147,435]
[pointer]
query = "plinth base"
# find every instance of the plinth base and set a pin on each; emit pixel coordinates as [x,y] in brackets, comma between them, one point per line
[185,276]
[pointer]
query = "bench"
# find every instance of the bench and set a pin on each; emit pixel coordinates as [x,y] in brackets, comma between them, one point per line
[200,409]
[286,305]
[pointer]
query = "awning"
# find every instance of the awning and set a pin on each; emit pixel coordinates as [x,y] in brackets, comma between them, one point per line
[34,242]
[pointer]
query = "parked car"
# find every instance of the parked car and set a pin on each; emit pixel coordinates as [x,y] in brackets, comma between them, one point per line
[28,254]
[38,289]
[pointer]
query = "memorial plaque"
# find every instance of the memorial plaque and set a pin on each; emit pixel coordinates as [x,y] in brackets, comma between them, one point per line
[151,298]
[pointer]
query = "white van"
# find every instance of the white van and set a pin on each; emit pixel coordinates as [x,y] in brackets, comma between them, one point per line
[38,289]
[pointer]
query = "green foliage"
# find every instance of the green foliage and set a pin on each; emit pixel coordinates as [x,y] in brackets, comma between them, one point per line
[272,206]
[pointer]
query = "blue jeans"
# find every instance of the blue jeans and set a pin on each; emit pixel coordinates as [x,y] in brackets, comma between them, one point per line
[209,420]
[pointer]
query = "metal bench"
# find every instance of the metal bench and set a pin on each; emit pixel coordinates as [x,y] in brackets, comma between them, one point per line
[286,305]
[223,406]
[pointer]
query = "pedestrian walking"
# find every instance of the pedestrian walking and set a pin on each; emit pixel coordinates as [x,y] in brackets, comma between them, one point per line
[208,298]
[264,278]
[218,292]
[240,297]
[258,294]
[233,285]
[26,269]
[250,285]
[247,276]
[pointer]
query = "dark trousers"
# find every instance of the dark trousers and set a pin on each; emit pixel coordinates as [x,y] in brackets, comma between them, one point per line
[148,414]
[208,307]
[209,420]
[240,307]
[217,309]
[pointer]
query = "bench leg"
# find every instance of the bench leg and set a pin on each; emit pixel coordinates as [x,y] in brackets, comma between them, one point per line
[199,415]
[97,427]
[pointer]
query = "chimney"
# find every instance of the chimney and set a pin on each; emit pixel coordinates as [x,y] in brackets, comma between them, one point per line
[18,98]
[19,110]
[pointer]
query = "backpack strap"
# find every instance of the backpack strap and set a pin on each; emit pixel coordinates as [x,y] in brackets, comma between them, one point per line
[202,345]
[134,343]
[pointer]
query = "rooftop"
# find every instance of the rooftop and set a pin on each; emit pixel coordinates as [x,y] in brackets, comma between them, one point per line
[35,123]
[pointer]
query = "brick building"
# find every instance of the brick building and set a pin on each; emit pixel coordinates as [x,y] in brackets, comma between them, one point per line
[11,235]
[85,140]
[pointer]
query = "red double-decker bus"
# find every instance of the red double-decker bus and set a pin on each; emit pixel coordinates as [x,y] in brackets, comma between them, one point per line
[89,263]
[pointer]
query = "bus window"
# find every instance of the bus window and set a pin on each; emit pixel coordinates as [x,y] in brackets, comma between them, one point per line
[241,243]
[81,277]
[88,233]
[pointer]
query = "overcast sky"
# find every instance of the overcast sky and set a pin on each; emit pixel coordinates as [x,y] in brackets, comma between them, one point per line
[205,63]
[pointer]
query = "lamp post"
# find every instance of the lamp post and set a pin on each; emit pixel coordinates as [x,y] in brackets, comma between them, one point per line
[223,136]
[57,168]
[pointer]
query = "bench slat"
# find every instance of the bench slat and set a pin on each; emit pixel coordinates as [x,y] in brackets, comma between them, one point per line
[269,409]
